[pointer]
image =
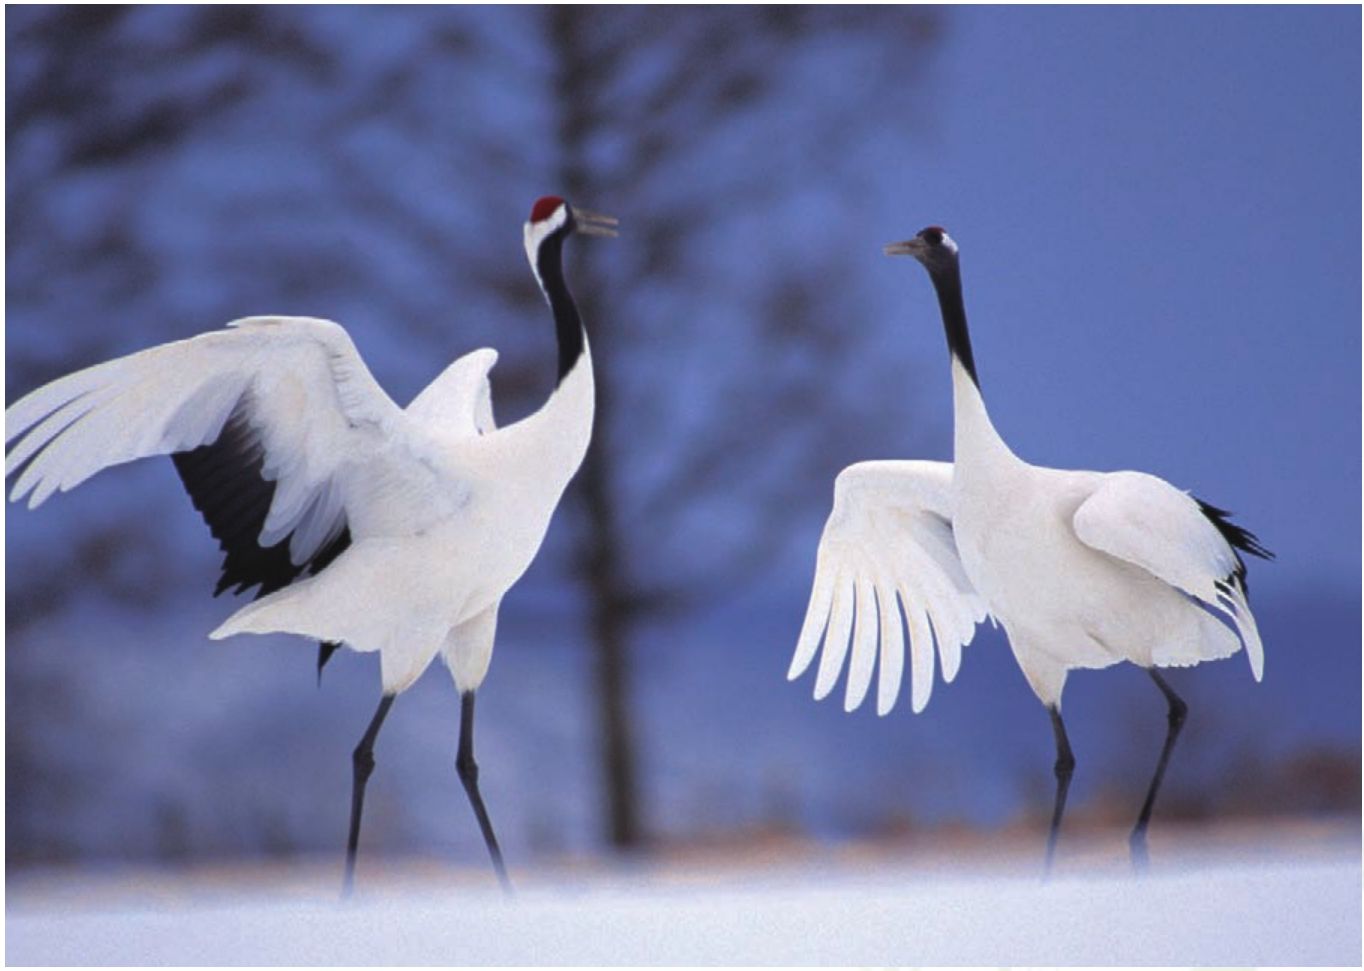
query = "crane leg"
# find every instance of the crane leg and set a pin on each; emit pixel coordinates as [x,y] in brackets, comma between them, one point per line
[1177,712]
[1064,768]
[468,775]
[363,761]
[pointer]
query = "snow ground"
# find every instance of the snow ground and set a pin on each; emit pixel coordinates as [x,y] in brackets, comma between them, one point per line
[1221,907]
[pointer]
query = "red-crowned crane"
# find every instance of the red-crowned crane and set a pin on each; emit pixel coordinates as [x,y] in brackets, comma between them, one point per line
[362,523]
[1082,569]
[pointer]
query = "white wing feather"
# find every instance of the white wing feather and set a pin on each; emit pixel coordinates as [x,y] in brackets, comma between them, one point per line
[328,434]
[460,400]
[887,547]
[1148,522]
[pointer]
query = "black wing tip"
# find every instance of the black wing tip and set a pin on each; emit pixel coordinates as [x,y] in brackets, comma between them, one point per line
[1238,537]
[325,650]
[225,482]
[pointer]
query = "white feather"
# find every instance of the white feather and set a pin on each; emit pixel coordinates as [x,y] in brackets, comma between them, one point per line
[1150,523]
[1146,521]
[866,639]
[888,536]
[893,654]
[341,454]
[836,637]
[460,400]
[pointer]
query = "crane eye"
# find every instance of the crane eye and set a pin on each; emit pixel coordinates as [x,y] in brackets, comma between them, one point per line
[932,235]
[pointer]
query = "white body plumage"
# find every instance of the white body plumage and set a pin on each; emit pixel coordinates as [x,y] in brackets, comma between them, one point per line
[445,510]
[1087,569]
[361,523]
[1082,569]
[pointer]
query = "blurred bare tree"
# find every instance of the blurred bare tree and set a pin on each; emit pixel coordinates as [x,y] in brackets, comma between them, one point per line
[108,105]
[717,383]
[173,168]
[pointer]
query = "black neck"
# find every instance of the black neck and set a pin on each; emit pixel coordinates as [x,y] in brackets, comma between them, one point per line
[568,325]
[947,281]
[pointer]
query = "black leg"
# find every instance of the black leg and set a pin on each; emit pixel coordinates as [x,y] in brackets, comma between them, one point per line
[468,774]
[1178,711]
[1065,767]
[363,761]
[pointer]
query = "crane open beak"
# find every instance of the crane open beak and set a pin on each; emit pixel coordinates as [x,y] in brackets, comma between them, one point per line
[910,247]
[594,223]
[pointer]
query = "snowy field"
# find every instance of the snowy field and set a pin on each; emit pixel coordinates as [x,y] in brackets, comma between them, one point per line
[1224,904]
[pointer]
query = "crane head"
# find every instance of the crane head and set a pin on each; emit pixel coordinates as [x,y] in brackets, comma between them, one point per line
[551,215]
[551,221]
[931,246]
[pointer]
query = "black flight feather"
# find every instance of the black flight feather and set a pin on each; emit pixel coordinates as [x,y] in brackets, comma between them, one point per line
[1238,538]
[225,482]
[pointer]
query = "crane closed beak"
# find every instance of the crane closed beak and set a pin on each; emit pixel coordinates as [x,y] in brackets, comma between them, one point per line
[910,247]
[594,223]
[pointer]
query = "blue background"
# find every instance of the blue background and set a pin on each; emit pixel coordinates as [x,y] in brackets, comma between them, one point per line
[1158,215]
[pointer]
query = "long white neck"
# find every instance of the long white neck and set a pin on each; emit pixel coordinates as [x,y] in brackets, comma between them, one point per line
[974,439]
[559,432]
[975,444]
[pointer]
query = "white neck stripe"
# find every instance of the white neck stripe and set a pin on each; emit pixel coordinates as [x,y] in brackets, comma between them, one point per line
[535,233]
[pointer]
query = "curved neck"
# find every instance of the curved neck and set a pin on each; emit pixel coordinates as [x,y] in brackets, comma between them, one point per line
[568,325]
[554,439]
[947,281]
[974,435]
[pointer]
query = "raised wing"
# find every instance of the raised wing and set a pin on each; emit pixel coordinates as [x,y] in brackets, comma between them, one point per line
[888,547]
[1148,522]
[280,433]
[460,400]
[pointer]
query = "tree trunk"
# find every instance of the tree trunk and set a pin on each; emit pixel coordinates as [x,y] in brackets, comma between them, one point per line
[600,550]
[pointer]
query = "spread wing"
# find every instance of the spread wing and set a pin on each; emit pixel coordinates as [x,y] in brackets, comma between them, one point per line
[460,400]
[1191,546]
[888,547]
[284,440]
